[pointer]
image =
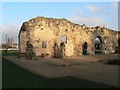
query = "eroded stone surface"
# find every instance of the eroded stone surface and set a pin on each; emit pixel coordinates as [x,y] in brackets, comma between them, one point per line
[50,30]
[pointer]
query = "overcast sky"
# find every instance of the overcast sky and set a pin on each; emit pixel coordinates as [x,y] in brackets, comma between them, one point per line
[88,13]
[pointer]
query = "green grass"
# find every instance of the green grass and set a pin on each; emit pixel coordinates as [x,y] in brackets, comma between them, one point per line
[17,77]
[9,53]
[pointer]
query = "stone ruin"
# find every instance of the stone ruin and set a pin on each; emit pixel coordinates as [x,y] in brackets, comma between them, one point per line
[50,37]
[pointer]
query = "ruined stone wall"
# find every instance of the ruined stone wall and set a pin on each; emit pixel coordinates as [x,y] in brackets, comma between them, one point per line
[109,39]
[22,42]
[43,35]
[40,29]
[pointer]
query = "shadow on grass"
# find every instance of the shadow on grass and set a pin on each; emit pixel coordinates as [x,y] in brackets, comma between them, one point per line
[110,61]
[17,77]
[9,53]
[114,62]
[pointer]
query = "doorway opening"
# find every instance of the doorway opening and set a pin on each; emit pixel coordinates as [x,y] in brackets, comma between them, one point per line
[119,45]
[84,48]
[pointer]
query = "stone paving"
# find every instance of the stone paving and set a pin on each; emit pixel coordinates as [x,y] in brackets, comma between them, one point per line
[85,67]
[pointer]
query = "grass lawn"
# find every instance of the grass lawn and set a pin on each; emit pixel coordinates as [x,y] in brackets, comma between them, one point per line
[9,53]
[17,77]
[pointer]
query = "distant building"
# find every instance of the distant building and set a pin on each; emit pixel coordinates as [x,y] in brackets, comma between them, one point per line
[3,45]
[10,42]
[0,45]
[15,45]
[13,48]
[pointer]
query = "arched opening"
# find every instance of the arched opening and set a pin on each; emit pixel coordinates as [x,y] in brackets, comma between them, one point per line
[62,48]
[119,42]
[98,45]
[119,45]
[117,48]
[84,48]
[63,39]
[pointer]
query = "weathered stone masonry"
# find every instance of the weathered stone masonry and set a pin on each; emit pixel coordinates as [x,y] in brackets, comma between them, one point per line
[42,36]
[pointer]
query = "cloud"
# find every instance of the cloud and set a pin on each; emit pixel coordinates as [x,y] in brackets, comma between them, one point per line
[102,15]
[93,21]
[93,8]
[88,20]
[11,31]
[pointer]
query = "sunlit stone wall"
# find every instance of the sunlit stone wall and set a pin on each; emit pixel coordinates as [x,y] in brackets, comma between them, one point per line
[50,30]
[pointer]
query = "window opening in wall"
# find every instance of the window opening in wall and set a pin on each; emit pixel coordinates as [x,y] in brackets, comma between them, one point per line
[64,39]
[44,44]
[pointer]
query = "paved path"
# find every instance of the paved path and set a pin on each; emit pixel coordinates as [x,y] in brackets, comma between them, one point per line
[85,67]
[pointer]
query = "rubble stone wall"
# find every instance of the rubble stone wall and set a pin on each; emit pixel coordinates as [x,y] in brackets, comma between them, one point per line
[22,42]
[40,29]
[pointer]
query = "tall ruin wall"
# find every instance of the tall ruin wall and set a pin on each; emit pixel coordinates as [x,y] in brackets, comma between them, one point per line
[39,29]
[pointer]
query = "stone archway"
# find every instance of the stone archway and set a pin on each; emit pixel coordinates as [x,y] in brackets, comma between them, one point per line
[98,43]
[117,48]
[119,42]
[84,48]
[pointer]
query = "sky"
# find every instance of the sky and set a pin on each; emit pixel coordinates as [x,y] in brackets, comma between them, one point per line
[89,13]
